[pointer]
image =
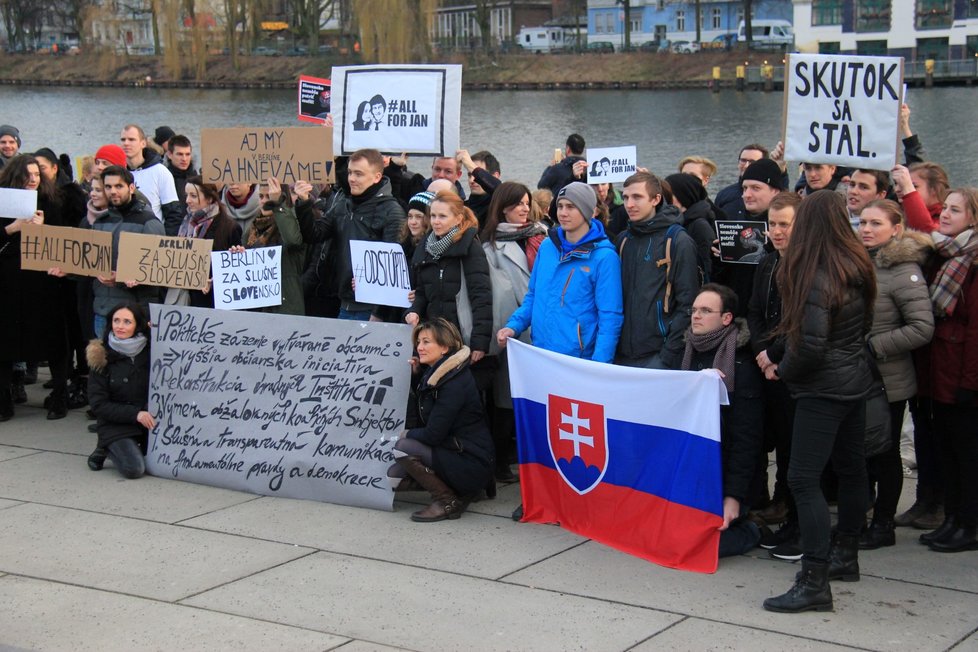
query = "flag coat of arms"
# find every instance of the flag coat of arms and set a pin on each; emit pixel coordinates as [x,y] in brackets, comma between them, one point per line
[627,457]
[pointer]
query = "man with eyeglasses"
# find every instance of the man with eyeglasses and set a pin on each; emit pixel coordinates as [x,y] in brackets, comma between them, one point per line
[716,340]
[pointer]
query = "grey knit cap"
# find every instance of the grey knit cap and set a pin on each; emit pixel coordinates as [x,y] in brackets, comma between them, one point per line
[582,196]
[10,130]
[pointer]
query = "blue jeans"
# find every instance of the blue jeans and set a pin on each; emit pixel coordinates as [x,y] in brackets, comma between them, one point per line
[100,323]
[127,458]
[354,315]
[826,429]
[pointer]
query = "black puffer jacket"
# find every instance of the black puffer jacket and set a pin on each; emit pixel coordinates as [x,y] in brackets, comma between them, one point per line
[830,360]
[452,422]
[439,282]
[118,390]
[764,310]
[699,220]
[559,174]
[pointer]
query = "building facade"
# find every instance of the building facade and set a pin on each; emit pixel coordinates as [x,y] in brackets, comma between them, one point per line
[455,24]
[914,29]
[658,20]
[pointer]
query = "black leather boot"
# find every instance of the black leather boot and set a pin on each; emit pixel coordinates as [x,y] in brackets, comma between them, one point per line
[446,505]
[17,389]
[880,534]
[948,526]
[959,539]
[844,558]
[6,405]
[811,591]
[97,459]
[57,403]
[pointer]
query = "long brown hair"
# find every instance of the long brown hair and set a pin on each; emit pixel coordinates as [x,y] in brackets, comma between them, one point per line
[223,225]
[507,195]
[822,242]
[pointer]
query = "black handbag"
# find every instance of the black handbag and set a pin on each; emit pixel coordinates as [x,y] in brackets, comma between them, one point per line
[877,433]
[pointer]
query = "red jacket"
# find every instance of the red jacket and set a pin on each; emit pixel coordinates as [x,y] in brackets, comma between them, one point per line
[950,361]
[920,216]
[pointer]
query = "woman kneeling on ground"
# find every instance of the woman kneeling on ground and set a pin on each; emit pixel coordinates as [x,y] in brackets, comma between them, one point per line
[450,453]
[118,391]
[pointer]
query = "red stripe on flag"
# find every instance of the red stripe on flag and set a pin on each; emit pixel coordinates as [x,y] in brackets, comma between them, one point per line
[631,521]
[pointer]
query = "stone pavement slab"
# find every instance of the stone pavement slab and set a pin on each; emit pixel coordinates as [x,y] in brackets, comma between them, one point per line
[872,613]
[4,504]
[38,615]
[479,545]
[30,429]
[13,452]
[696,635]
[131,556]
[155,499]
[429,610]
[364,646]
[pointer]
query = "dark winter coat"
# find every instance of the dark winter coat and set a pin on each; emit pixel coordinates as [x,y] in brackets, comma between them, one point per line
[738,277]
[376,218]
[648,328]
[830,360]
[453,424]
[742,421]
[950,362]
[118,390]
[764,309]
[903,318]
[440,281]
[699,220]
[559,174]
[33,305]
[225,233]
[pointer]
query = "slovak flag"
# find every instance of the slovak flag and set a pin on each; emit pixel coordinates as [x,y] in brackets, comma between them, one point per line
[628,457]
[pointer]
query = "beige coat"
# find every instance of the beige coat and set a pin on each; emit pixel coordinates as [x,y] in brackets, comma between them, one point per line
[903,319]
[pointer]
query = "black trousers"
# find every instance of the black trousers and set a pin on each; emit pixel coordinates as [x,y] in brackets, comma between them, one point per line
[886,469]
[958,425]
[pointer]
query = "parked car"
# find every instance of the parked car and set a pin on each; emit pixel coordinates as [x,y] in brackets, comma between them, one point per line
[725,41]
[650,46]
[600,47]
[297,51]
[325,49]
[685,47]
[263,51]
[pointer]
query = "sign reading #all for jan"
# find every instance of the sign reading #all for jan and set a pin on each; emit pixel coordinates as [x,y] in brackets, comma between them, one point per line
[611,164]
[842,109]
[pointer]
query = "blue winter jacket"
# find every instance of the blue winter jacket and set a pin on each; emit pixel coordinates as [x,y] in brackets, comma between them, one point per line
[574,301]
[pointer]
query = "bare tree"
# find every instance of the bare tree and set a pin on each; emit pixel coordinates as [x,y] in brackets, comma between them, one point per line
[483,18]
[394,31]
[310,17]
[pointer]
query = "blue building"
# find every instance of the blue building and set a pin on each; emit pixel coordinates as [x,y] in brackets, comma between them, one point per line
[658,20]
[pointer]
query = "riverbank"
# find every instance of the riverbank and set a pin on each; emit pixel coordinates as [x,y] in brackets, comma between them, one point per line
[530,71]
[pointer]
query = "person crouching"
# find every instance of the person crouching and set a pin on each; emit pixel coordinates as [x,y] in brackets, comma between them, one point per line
[450,452]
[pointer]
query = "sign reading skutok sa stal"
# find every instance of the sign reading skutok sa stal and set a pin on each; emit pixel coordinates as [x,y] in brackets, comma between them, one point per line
[413,109]
[253,154]
[842,110]
[278,405]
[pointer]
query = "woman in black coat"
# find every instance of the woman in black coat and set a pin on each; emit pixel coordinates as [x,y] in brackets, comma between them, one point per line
[118,390]
[32,310]
[207,219]
[450,452]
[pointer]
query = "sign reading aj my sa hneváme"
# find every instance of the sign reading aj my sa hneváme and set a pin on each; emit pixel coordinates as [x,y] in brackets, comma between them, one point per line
[278,405]
[253,154]
[842,109]
[413,109]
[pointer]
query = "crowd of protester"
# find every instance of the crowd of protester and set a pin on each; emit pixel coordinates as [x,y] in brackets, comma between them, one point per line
[865,277]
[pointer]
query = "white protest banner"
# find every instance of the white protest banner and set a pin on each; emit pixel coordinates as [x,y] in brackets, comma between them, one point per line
[17,203]
[842,109]
[278,405]
[611,164]
[397,108]
[381,273]
[251,279]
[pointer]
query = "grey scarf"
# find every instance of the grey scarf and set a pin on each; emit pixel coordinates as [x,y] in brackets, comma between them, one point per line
[130,347]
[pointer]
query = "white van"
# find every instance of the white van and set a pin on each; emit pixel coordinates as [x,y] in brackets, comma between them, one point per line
[540,39]
[768,33]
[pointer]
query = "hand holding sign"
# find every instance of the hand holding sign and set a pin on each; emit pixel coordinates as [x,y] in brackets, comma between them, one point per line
[302,190]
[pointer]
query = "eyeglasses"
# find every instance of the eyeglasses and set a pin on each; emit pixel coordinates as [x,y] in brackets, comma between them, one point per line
[706,312]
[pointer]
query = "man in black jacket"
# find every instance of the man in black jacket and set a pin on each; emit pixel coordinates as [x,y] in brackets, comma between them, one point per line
[561,172]
[484,172]
[368,212]
[179,160]
[716,341]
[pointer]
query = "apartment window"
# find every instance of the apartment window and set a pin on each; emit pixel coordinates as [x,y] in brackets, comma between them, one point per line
[873,16]
[871,48]
[934,14]
[972,11]
[680,21]
[716,18]
[826,12]
[932,48]
[636,25]
[832,47]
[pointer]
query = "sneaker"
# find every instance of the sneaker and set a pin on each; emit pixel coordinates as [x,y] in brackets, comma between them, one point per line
[786,551]
[787,533]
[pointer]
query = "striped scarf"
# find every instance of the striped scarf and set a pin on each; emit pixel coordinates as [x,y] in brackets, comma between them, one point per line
[960,253]
[438,246]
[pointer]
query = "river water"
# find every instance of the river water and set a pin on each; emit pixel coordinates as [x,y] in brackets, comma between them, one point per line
[522,128]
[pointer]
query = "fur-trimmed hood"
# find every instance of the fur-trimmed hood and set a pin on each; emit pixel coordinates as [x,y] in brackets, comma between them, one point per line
[455,362]
[96,355]
[912,247]
[743,332]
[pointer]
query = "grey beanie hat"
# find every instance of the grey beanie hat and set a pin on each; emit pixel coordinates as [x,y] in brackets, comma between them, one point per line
[582,196]
[10,130]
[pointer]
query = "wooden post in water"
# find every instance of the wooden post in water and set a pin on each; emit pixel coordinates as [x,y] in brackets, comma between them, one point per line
[716,79]
[741,74]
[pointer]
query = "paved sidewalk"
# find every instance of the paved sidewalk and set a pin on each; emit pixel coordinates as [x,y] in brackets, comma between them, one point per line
[90,561]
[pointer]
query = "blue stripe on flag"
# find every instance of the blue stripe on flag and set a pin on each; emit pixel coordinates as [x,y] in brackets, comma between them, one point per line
[671,464]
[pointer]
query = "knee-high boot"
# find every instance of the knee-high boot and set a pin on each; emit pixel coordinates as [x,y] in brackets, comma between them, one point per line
[445,504]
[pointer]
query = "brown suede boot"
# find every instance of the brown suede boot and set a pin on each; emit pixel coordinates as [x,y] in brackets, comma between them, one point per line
[446,505]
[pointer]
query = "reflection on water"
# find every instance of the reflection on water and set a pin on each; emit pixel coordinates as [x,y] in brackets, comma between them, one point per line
[521,128]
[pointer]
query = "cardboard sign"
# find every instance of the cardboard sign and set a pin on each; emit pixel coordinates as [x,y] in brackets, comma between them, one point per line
[397,108]
[251,279]
[17,203]
[84,252]
[741,241]
[252,155]
[842,110]
[381,273]
[313,99]
[611,164]
[170,262]
[278,405]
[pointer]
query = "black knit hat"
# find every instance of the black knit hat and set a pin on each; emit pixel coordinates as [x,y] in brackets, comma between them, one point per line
[687,188]
[766,171]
